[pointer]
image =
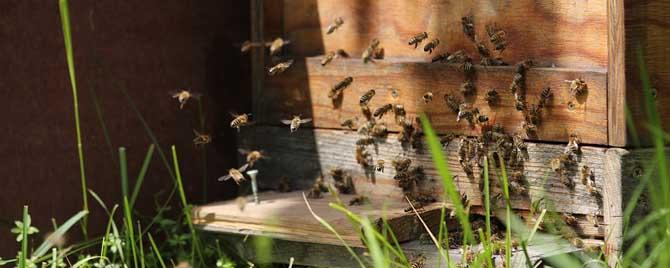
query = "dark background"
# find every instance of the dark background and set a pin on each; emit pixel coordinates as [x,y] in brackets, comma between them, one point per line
[148,48]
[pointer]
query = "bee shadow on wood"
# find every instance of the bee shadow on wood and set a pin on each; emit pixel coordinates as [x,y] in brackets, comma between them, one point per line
[337,102]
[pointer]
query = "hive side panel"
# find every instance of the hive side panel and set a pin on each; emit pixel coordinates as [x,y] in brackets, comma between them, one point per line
[616,73]
[613,203]
[552,39]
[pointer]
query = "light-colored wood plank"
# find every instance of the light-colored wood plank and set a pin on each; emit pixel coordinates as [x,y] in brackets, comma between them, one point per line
[613,203]
[616,73]
[545,31]
[304,90]
[305,154]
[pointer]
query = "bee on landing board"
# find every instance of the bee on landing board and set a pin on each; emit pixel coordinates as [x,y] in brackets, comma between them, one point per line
[381,111]
[235,174]
[328,58]
[349,123]
[280,67]
[336,90]
[468,23]
[296,122]
[453,103]
[417,39]
[380,165]
[201,138]
[240,121]
[335,25]
[545,97]
[183,96]
[373,51]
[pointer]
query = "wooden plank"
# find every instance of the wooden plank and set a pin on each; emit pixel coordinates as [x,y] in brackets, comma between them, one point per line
[613,203]
[304,90]
[257,52]
[552,39]
[304,155]
[616,73]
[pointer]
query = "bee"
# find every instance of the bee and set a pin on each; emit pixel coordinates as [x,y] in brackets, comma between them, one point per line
[399,112]
[573,144]
[246,46]
[365,99]
[314,192]
[235,174]
[381,111]
[183,96]
[466,112]
[366,128]
[349,123]
[515,184]
[519,101]
[252,156]
[341,53]
[428,97]
[467,87]
[379,131]
[365,141]
[585,174]
[201,139]
[328,58]
[497,37]
[577,87]
[468,23]
[365,109]
[533,115]
[492,97]
[336,24]
[336,90]
[482,119]
[483,51]
[545,97]
[277,45]
[523,66]
[343,181]
[593,219]
[370,51]
[241,202]
[284,185]
[518,83]
[440,58]
[406,132]
[458,56]
[529,128]
[401,164]
[431,45]
[417,39]
[359,200]
[362,156]
[240,121]
[570,219]
[452,102]
[296,122]
[445,140]
[417,261]
[380,165]
[280,67]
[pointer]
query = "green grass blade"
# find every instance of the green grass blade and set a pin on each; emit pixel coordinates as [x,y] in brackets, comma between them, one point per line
[187,211]
[378,258]
[123,166]
[141,245]
[508,213]
[60,231]
[140,176]
[156,251]
[130,235]
[97,198]
[67,37]
[24,238]
[487,198]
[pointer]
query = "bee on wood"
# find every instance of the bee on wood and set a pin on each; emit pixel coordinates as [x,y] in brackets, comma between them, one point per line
[280,67]
[440,58]
[336,90]
[573,144]
[519,101]
[518,83]
[465,111]
[468,23]
[592,219]
[252,156]
[406,132]
[481,119]
[365,99]
[348,123]
[417,39]
[370,51]
[577,87]
[570,220]
[545,97]
[283,185]
[428,97]
[467,87]
[201,138]
[381,111]
[529,128]
[492,97]
[418,261]
[457,57]
[380,165]
[401,164]
[314,192]
[497,37]
[399,112]
[365,110]
[523,66]
[235,174]
[240,121]
[515,185]
[343,182]
[533,115]
[183,96]
[366,128]
[445,140]
[362,157]
[585,174]
[365,141]
[328,58]
[295,123]
[452,102]
[431,45]
[335,25]
[341,53]
[379,131]
[483,51]
[359,200]
[277,45]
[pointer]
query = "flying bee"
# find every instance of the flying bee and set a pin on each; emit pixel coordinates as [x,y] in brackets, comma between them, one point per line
[431,45]
[280,67]
[349,123]
[417,39]
[296,122]
[445,140]
[399,112]
[240,121]
[440,58]
[365,99]
[401,164]
[235,174]
[362,157]
[365,141]
[246,46]
[380,165]
[573,144]
[492,97]
[370,51]
[201,138]
[336,24]
[336,90]
[545,97]
[277,45]
[497,37]
[183,96]
[381,111]
[468,23]
[428,97]
[467,87]
[379,131]
[359,200]
[252,156]
[577,87]
[569,219]
[452,102]
[241,202]
[328,58]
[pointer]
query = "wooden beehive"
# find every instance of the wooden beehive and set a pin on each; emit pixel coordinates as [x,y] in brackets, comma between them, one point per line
[590,40]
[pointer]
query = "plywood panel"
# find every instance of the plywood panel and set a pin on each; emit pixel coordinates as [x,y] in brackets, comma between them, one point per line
[563,33]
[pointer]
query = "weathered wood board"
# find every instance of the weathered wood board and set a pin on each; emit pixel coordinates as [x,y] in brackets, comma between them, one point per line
[304,155]
[563,33]
[304,90]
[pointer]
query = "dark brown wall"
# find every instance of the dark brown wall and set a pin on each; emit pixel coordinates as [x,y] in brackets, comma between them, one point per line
[148,48]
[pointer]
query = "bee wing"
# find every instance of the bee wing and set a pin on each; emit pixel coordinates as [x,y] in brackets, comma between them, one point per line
[306,120]
[243,151]
[286,122]
[174,93]
[243,167]
[225,178]
[196,95]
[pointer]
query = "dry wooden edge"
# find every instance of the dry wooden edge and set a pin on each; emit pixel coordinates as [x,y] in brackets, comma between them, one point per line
[616,77]
[304,90]
[306,154]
